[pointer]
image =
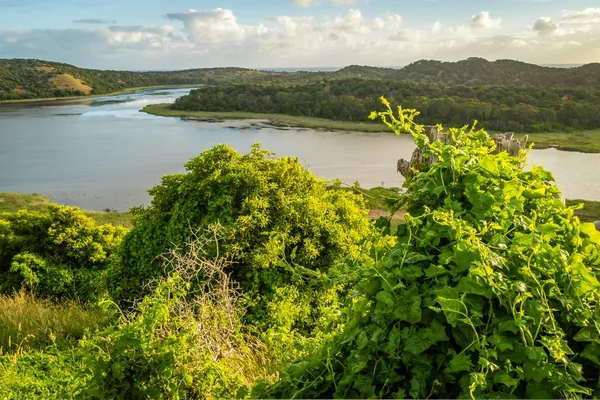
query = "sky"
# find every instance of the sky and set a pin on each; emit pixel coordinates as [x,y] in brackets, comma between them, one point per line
[177,34]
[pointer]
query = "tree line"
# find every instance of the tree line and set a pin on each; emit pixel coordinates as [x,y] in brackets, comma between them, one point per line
[497,107]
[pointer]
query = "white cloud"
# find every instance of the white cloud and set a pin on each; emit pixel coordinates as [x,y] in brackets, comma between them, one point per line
[210,26]
[483,20]
[587,16]
[217,38]
[545,26]
[306,3]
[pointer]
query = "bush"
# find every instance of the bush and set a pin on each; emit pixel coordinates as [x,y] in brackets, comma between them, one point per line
[491,291]
[60,253]
[178,343]
[284,230]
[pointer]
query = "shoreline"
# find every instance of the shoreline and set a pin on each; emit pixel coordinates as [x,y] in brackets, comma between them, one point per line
[272,120]
[78,99]
[12,201]
[582,141]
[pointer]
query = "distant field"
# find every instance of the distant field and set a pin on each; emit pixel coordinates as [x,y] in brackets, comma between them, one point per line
[275,119]
[582,141]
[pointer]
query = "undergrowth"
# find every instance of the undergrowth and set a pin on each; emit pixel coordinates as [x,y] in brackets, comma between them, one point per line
[28,323]
[491,291]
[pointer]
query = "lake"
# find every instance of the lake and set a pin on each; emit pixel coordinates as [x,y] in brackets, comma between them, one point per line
[104,153]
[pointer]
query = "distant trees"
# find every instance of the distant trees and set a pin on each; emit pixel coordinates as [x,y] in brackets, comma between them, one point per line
[502,108]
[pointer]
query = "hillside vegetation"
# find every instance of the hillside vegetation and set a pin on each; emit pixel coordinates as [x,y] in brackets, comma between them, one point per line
[30,79]
[499,108]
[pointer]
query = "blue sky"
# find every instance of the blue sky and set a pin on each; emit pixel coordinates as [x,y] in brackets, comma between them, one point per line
[166,34]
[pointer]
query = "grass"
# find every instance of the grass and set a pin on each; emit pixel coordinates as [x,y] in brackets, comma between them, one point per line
[67,81]
[280,120]
[12,202]
[52,373]
[28,323]
[590,211]
[581,141]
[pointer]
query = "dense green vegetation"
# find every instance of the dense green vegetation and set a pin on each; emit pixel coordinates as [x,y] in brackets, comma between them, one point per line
[35,79]
[56,254]
[252,279]
[499,108]
[491,291]
[284,231]
[13,202]
[30,79]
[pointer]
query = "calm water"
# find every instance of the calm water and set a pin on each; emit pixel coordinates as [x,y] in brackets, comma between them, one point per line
[106,153]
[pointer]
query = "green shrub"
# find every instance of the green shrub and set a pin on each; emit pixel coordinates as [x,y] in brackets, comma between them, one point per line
[285,231]
[491,291]
[58,253]
[178,343]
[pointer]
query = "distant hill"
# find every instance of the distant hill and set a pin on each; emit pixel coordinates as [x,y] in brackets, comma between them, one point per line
[30,79]
[477,71]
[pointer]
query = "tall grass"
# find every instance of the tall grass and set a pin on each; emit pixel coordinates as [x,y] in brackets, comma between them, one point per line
[28,323]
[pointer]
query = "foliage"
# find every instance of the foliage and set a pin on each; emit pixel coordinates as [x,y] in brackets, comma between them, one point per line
[29,323]
[13,202]
[285,231]
[178,342]
[500,107]
[60,253]
[50,374]
[491,291]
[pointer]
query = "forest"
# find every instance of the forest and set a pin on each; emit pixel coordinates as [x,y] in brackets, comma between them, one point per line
[34,79]
[249,277]
[497,107]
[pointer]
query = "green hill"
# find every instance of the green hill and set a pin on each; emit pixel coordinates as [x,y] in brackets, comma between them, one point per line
[32,79]
[477,71]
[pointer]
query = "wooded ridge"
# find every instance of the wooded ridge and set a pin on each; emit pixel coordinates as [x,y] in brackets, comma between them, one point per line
[31,79]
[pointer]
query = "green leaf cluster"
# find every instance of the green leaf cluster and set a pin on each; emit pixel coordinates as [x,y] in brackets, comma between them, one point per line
[491,291]
[288,237]
[153,353]
[60,253]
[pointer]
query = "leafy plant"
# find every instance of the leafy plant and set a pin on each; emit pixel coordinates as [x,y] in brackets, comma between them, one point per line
[284,230]
[178,342]
[491,291]
[58,253]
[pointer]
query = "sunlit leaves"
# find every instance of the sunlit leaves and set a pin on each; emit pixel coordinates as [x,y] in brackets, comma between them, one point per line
[488,253]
